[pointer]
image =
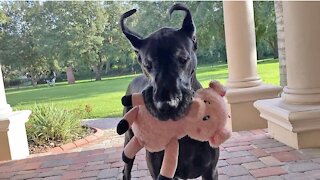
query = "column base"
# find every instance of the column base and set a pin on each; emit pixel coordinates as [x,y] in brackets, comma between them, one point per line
[244,116]
[244,83]
[13,137]
[295,125]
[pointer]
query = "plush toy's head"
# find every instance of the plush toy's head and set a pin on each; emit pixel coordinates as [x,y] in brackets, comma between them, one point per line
[213,112]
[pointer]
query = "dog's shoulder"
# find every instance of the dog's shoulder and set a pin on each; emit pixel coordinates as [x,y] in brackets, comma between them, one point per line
[138,84]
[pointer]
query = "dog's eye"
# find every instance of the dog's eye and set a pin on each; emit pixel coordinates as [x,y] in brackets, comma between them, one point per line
[148,66]
[183,60]
[206,118]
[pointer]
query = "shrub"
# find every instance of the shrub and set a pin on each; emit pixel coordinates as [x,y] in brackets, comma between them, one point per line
[51,123]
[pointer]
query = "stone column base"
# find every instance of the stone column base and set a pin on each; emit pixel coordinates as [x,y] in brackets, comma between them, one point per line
[297,126]
[13,138]
[244,116]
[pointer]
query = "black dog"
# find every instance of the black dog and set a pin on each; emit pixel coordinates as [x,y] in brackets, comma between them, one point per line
[168,60]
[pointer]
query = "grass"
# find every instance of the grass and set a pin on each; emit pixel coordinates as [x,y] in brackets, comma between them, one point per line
[104,96]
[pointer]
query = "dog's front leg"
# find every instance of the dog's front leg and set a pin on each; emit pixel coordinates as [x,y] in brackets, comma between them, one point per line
[212,171]
[212,174]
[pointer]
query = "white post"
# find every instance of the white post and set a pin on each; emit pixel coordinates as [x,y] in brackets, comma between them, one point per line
[4,107]
[294,119]
[13,138]
[244,85]
[240,44]
[302,41]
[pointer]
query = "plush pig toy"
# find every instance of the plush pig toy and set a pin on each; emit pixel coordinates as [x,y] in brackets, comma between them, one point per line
[204,121]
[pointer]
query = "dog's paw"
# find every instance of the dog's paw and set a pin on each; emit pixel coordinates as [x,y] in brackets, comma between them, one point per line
[126,100]
[122,126]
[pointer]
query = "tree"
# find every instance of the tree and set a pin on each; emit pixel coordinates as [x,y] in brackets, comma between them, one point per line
[266,32]
[19,43]
[84,33]
[208,18]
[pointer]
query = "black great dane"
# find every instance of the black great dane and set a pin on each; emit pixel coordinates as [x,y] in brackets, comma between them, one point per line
[168,60]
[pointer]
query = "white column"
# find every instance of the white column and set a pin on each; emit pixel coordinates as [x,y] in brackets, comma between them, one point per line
[244,85]
[240,44]
[13,138]
[294,119]
[4,107]
[302,41]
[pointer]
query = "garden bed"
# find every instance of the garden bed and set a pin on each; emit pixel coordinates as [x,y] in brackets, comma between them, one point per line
[51,144]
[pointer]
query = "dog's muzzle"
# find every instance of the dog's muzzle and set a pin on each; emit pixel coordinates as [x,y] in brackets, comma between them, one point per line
[173,108]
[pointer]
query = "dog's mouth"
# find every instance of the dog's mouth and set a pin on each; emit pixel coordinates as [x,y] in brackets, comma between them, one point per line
[175,109]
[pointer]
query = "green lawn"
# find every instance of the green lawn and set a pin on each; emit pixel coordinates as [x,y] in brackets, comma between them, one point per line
[104,96]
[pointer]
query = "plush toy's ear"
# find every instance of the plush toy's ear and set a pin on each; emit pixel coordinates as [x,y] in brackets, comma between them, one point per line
[219,88]
[212,84]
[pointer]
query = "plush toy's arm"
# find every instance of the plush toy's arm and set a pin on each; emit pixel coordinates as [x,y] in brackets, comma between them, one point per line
[170,160]
[137,99]
[134,99]
[131,149]
[127,120]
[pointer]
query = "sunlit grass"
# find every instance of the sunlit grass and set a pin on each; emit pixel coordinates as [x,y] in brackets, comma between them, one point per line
[104,96]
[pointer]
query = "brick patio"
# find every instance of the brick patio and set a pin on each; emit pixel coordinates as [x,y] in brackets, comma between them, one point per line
[247,155]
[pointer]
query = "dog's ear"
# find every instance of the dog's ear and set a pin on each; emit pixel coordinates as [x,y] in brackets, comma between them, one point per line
[188,26]
[135,39]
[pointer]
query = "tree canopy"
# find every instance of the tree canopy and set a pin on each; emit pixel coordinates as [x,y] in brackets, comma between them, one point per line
[39,37]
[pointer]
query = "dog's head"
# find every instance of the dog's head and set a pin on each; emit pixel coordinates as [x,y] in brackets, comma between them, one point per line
[167,57]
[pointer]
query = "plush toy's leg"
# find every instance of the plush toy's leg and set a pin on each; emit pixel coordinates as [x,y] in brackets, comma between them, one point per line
[131,149]
[163,178]
[220,137]
[170,160]
[127,120]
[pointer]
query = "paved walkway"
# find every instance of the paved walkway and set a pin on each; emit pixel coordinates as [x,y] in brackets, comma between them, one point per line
[247,155]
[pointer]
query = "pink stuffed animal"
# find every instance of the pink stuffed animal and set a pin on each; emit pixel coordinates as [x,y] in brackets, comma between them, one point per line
[204,121]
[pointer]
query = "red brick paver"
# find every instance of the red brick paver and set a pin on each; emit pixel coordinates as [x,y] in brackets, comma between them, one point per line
[286,156]
[269,171]
[247,155]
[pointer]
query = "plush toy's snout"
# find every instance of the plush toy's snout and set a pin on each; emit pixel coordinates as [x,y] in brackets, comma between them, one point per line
[197,108]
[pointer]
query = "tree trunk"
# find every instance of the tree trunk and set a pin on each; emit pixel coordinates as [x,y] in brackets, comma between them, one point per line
[275,50]
[274,45]
[70,75]
[97,70]
[281,46]
[107,67]
[34,80]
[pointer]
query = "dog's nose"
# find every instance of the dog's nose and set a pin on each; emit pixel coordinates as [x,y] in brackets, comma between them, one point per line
[164,107]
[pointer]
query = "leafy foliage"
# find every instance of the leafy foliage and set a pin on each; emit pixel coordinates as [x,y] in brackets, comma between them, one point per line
[266,31]
[38,37]
[51,123]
